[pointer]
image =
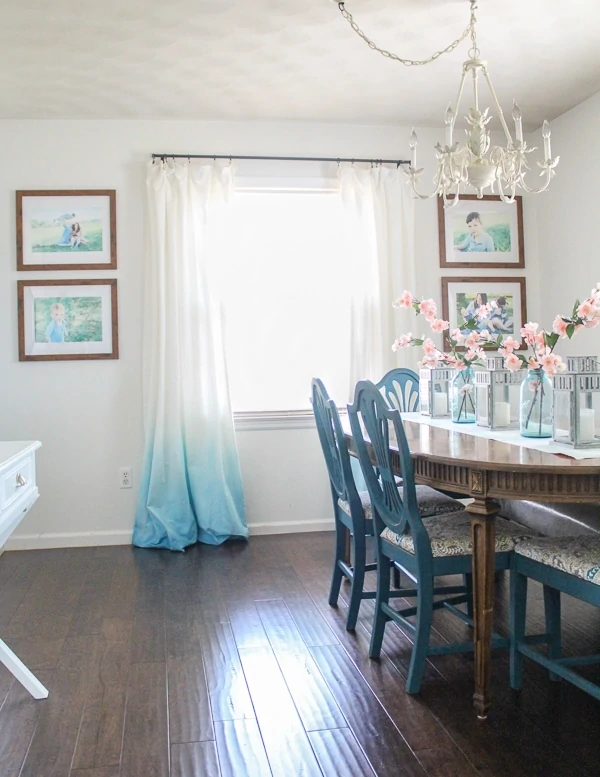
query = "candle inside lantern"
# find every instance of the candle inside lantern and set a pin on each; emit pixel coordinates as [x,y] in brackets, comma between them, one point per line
[518,122]
[587,425]
[501,413]
[440,403]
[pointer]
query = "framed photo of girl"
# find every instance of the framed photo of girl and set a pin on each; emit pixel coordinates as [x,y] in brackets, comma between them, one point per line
[67,230]
[68,319]
[481,233]
[506,298]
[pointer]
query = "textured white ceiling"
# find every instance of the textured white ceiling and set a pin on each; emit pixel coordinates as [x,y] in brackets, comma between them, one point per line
[280,59]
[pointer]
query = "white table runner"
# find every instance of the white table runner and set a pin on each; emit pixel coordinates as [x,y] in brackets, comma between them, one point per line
[511,437]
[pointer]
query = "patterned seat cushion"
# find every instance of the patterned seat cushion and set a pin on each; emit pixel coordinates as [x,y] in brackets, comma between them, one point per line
[430,501]
[578,556]
[452,536]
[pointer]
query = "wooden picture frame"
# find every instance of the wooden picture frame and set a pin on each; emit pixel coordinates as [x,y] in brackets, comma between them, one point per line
[68,319]
[460,299]
[499,228]
[66,230]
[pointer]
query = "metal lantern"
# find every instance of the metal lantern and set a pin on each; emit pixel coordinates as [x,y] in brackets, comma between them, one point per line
[576,418]
[497,395]
[434,391]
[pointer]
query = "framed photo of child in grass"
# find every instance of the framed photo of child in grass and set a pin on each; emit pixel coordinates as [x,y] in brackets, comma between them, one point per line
[68,319]
[481,233]
[67,230]
[504,300]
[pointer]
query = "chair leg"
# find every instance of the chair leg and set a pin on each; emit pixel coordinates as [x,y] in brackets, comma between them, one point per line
[336,579]
[518,612]
[358,580]
[422,633]
[552,610]
[468,583]
[396,575]
[382,597]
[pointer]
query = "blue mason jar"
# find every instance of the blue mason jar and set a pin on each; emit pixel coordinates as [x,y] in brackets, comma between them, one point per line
[462,397]
[536,405]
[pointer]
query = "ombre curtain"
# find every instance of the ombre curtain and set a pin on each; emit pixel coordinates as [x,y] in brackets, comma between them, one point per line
[191,487]
[380,210]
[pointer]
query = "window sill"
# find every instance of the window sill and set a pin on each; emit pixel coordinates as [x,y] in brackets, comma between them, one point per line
[267,420]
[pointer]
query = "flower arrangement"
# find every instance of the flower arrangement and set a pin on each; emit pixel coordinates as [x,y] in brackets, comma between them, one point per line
[473,336]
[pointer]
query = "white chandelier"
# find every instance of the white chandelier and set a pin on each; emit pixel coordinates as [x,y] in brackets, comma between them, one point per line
[474,163]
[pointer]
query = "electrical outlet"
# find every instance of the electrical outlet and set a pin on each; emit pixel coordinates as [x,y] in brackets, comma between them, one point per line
[125,477]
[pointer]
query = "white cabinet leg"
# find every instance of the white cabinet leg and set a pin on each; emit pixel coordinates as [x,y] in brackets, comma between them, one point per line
[16,667]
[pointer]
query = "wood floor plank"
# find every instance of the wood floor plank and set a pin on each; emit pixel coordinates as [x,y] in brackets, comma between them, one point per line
[196,759]
[145,737]
[55,737]
[148,638]
[382,742]
[18,719]
[110,771]
[89,611]
[229,696]
[189,701]
[18,572]
[339,753]
[286,742]
[241,749]
[313,699]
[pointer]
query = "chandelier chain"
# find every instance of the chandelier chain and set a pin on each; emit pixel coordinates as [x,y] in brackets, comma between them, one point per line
[470,30]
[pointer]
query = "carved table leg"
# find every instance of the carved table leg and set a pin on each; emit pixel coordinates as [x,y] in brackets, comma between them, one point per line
[483,513]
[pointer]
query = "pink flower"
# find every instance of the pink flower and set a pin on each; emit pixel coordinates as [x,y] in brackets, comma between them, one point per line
[560,326]
[459,364]
[510,344]
[533,363]
[430,361]
[428,308]
[472,340]
[475,353]
[405,300]
[512,362]
[587,309]
[439,325]
[402,341]
[528,332]
[483,311]
[592,323]
[551,363]
[429,347]
[458,336]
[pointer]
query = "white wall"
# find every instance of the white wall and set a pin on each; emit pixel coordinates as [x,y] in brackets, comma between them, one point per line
[567,222]
[88,414]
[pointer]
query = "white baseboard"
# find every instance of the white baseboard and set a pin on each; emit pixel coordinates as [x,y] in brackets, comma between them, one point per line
[67,540]
[88,539]
[290,527]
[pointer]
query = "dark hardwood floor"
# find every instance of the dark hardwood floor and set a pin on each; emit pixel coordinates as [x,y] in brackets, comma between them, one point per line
[228,662]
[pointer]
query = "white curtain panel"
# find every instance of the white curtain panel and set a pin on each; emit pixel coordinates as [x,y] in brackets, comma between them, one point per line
[191,488]
[380,211]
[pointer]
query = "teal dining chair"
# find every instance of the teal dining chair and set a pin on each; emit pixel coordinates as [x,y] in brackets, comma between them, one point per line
[569,565]
[352,508]
[425,548]
[400,389]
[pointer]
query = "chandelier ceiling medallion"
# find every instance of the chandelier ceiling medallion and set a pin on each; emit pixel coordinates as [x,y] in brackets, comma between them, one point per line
[475,163]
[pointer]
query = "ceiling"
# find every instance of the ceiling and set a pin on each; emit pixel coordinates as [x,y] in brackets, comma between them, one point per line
[285,60]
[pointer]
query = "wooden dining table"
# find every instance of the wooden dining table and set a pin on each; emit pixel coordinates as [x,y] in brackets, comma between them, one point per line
[486,470]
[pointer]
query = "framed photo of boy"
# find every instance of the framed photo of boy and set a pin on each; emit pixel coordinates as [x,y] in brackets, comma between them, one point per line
[67,230]
[461,297]
[68,319]
[481,233]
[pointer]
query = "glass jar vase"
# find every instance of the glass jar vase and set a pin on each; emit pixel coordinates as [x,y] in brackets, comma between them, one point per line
[535,417]
[462,397]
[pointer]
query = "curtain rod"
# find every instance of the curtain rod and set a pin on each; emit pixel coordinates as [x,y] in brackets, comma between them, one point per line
[396,162]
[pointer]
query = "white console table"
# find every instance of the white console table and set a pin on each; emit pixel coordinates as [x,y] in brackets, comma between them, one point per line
[18,492]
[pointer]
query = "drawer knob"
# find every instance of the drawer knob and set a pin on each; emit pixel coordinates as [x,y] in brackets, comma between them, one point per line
[20,480]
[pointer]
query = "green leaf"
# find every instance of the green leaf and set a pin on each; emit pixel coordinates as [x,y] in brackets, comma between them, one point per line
[575,306]
[550,339]
[570,330]
[416,341]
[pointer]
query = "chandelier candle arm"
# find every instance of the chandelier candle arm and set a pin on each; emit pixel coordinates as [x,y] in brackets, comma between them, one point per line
[474,163]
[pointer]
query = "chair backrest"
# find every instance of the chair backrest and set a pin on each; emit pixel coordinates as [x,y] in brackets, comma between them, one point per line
[400,388]
[371,419]
[333,443]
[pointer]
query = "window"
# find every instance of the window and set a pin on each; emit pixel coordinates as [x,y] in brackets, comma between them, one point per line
[287,297]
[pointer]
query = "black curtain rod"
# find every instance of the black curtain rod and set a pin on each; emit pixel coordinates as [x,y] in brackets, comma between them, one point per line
[396,162]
